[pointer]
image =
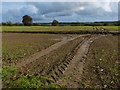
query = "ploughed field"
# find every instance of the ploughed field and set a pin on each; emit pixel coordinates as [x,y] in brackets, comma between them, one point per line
[52,60]
[101,68]
[16,46]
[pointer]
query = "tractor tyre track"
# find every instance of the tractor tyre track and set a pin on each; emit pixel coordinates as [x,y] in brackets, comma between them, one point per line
[72,69]
[46,51]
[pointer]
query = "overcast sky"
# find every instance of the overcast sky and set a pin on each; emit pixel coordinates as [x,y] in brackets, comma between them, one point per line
[61,11]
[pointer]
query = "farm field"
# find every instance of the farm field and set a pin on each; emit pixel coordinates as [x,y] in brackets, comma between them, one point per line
[13,41]
[57,28]
[22,45]
[60,45]
[27,65]
[112,28]
[45,28]
[102,64]
[52,60]
[100,67]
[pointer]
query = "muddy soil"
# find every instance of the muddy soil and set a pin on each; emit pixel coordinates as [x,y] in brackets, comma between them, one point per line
[91,63]
[99,69]
[46,51]
[74,70]
[55,58]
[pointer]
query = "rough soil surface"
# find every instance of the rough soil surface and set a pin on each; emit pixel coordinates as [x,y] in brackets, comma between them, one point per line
[45,52]
[93,62]
[93,66]
[101,67]
[74,68]
[69,72]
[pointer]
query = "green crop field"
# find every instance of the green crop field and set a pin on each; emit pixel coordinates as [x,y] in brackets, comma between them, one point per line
[46,28]
[112,28]
[56,28]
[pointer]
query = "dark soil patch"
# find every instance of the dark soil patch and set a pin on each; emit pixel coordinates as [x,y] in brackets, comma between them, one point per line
[101,66]
[64,32]
[48,62]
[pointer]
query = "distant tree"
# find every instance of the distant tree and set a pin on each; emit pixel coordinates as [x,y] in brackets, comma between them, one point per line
[17,24]
[3,24]
[55,23]
[105,24]
[9,23]
[27,20]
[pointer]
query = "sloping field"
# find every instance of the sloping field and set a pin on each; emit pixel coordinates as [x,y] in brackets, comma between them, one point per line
[101,67]
[42,65]
[16,46]
[74,61]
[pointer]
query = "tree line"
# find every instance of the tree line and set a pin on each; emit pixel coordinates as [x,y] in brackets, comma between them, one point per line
[28,21]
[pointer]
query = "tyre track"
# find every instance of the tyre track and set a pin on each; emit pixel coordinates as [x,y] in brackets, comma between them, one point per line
[46,51]
[68,57]
[61,69]
[73,66]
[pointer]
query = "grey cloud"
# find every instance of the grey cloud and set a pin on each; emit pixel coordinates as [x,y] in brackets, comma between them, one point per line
[62,11]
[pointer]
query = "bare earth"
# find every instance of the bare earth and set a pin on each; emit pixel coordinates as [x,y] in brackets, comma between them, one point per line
[75,68]
[46,51]
[68,73]
[72,68]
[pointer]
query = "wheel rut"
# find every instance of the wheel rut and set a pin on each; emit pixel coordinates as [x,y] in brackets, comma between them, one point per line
[46,51]
[72,68]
